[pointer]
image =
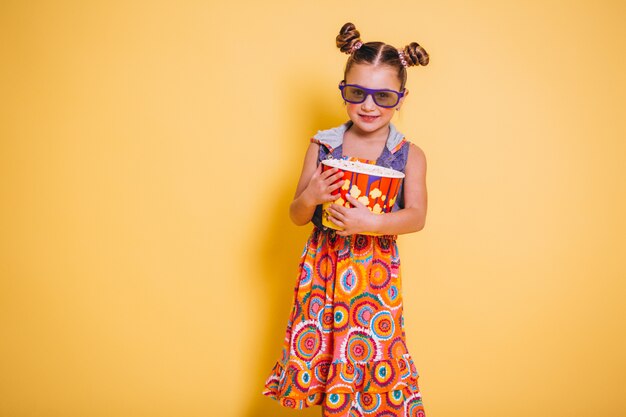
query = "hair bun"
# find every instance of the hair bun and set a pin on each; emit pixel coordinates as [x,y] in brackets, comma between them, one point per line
[414,54]
[347,38]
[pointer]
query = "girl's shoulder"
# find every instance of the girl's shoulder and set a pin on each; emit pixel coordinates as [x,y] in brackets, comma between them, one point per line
[331,138]
[416,156]
[414,148]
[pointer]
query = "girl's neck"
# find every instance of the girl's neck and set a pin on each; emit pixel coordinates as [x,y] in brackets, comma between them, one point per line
[365,145]
[373,137]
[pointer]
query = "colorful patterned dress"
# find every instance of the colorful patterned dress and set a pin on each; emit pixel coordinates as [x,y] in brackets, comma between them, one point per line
[345,346]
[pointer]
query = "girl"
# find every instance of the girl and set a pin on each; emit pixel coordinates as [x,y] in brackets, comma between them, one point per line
[345,347]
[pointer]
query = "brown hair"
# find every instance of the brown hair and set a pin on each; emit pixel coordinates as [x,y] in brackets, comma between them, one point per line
[378,53]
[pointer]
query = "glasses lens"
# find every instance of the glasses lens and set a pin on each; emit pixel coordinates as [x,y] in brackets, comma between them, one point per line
[353,94]
[386,98]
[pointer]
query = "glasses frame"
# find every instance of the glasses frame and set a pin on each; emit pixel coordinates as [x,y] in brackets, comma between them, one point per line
[370,92]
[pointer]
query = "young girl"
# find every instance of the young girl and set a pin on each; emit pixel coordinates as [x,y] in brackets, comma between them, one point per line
[345,347]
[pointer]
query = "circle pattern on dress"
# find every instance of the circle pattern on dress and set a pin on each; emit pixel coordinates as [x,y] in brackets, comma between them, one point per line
[336,402]
[390,297]
[326,318]
[385,245]
[369,402]
[306,274]
[289,402]
[380,274]
[302,380]
[307,341]
[346,373]
[397,348]
[362,312]
[326,267]
[320,369]
[414,406]
[341,316]
[314,399]
[360,347]
[362,244]
[395,398]
[382,325]
[384,373]
[316,303]
[349,280]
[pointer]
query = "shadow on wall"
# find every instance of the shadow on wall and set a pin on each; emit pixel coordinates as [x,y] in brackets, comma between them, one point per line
[280,249]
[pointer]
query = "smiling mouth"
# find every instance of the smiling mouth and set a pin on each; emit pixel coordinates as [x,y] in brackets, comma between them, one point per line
[366,117]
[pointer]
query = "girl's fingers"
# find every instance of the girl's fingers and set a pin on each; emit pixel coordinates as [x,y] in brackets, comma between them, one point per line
[330,209]
[336,221]
[338,215]
[334,180]
[335,186]
[328,173]
[338,176]
[336,209]
[353,201]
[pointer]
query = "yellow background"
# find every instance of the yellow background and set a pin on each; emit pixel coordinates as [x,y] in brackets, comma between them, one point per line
[149,151]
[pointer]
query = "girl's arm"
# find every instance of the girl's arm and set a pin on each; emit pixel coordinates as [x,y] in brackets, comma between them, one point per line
[411,218]
[314,187]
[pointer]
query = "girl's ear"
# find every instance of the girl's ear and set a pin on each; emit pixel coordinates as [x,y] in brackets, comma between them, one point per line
[406,93]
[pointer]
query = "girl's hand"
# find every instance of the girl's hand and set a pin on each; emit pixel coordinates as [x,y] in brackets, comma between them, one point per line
[322,185]
[357,219]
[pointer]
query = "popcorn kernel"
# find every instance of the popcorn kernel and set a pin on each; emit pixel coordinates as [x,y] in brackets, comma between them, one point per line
[375,193]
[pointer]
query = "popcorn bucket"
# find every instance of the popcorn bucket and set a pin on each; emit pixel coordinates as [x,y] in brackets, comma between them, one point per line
[375,186]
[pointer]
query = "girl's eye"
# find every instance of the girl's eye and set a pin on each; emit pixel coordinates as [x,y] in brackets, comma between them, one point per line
[382,95]
[357,92]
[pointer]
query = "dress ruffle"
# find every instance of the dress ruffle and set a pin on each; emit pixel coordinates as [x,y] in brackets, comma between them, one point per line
[299,382]
[358,398]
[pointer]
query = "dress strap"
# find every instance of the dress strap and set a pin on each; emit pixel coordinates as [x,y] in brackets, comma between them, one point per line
[326,151]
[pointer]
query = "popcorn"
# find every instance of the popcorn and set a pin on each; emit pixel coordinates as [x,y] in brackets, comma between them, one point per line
[375,193]
[363,168]
[364,200]
[355,191]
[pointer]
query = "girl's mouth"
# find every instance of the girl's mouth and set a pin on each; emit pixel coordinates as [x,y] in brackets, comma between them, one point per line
[368,118]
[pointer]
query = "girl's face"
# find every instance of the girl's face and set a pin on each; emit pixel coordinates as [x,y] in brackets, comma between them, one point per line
[368,118]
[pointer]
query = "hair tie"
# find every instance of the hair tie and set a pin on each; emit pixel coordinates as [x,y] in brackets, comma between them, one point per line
[356,46]
[401,55]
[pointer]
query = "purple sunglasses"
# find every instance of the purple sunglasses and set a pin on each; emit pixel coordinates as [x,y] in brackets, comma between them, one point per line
[356,94]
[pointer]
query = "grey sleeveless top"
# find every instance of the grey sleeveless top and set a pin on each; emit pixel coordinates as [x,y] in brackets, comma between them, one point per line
[394,156]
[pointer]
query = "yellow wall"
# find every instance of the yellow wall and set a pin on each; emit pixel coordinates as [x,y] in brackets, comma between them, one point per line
[149,151]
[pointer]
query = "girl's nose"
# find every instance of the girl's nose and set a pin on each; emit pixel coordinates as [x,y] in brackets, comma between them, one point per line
[368,104]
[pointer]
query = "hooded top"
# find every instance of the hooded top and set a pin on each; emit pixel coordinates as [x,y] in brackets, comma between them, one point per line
[394,155]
